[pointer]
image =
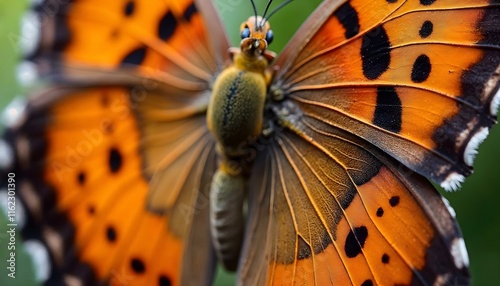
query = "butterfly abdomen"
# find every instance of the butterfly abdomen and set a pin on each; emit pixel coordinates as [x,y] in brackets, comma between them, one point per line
[226,216]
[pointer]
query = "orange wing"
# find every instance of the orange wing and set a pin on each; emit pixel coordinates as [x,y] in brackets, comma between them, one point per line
[328,208]
[415,78]
[100,143]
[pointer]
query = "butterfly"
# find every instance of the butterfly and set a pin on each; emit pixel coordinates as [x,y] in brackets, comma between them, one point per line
[148,152]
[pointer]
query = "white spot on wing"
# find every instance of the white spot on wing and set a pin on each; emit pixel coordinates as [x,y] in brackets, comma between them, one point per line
[30,33]
[20,214]
[448,206]
[40,258]
[13,114]
[6,155]
[442,280]
[27,73]
[471,148]
[452,182]
[495,103]
[459,253]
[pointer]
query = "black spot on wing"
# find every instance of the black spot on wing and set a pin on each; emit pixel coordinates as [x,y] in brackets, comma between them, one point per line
[189,12]
[355,241]
[385,258]
[380,212]
[137,265]
[163,280]
[129,8]
[111,234]
[367,282]
[392,1]
[394,201]
[135,57]
[427,2]
[421,69]
[115,160]
[167,26]
[375,53]
[388,112]
[426,29]
[349,19]
[81,178]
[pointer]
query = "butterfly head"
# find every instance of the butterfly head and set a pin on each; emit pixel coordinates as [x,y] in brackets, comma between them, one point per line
[256,34]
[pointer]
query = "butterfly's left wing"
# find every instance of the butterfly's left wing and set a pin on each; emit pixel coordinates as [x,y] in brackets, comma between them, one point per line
[380,94]
[98,147]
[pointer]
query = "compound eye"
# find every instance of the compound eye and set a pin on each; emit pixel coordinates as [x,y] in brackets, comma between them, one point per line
[245,33]
[269,36]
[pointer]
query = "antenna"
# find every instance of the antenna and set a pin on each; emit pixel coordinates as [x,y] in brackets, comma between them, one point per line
[254,12]
[267,8]
[275,10]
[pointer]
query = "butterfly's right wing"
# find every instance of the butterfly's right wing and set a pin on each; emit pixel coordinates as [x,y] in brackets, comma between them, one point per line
[418,79]
[371,90]
[112,153]
[345,214]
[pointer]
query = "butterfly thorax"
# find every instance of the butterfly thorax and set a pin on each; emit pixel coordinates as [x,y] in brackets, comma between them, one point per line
[235,112]
[235,118]
[236,107]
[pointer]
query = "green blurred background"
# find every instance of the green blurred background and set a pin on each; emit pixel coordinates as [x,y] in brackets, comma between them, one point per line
[477,204]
